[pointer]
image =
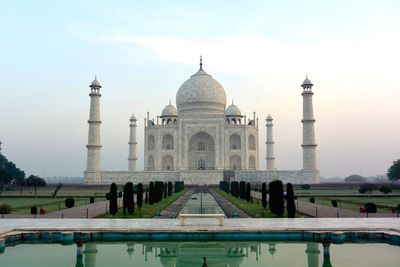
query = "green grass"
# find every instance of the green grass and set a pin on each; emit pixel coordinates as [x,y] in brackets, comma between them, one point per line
[23,205]
[354,203]
[254,210]
[147,210]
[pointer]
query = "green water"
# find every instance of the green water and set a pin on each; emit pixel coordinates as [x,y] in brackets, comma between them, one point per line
[187,254]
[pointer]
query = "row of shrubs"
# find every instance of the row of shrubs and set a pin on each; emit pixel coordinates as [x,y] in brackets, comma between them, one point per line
[155,192]
[277,198]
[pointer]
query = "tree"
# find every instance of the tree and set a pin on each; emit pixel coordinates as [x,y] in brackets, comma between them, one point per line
[113,199]
[385,189]
[276,203]
[151,193]
[146,196]
[169,188]
[139,195]
[248,192]
[128,203]
[5,178]
[235,188]
[264,195]
[165,190]
[35,182]
[290,205]
[355,178]
[393,172]
[58,187]
[242,190]
[367,187]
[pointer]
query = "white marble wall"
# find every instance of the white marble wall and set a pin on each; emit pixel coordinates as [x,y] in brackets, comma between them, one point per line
[200,177]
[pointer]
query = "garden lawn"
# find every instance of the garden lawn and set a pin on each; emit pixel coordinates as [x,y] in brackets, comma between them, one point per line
[147,210]
[23,205]
[254,210]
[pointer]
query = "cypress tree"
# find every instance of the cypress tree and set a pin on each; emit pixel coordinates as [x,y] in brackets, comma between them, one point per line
[276,202]
[125,199]
[290,205]
[169,188]
[151,193]
[146,196]
[139,195]
[113,199]
[242,189]
[165,190]
[248,192]
[130,200]
[264,195]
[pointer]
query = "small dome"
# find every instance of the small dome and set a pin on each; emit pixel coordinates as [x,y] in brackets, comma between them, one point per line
[133,118]
[269,118]
[95,83]
[201,92]
[169,111]
[233,110]
[307,82]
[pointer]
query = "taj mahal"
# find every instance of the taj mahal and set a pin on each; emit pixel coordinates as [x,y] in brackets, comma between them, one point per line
[201,140]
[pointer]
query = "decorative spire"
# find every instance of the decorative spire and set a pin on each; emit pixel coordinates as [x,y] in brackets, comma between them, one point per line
[170,102]
[201,62]
[232,101]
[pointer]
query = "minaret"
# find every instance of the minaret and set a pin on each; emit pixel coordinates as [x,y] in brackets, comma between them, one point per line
[270,145]
[312,254]
[94,146]
[132,145]
[90,254]
[309,145]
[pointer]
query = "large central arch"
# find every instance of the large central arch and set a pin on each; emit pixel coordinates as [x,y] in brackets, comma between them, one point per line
[201,152]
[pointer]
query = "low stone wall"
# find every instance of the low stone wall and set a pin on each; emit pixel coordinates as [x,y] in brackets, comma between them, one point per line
[201,177]
[122,177]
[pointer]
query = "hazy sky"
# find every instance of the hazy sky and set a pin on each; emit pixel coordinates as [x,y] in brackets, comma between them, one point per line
[142,51]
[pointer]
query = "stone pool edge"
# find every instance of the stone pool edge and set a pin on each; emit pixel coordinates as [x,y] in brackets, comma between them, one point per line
[66,231]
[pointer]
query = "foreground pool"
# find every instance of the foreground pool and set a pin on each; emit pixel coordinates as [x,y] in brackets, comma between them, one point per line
[218,254]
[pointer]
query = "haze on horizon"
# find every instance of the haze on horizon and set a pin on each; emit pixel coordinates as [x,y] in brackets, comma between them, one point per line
[142,52]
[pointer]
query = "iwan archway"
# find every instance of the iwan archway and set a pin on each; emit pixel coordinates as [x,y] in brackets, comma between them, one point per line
[201,152]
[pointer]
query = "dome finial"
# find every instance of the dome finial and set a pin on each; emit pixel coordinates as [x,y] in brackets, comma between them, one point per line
[170,102]
[201,62]
[232,101]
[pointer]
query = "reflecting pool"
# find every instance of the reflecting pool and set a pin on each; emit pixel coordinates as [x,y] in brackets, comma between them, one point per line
[187,254]
[201,203]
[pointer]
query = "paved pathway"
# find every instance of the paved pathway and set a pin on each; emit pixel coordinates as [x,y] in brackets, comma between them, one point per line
[227,206]
[173,209]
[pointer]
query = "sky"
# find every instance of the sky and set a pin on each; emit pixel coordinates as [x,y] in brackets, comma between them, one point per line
[142,51]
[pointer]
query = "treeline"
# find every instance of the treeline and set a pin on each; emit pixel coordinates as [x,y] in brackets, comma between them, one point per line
[11,174]
[154,192]
[272,196]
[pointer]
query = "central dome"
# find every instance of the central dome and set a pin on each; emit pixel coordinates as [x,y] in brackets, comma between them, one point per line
[201,92]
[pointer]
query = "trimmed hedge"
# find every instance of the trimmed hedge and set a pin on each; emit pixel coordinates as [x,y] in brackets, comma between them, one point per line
[69,202]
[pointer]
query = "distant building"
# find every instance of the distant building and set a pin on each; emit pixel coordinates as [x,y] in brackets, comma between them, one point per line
[201,141]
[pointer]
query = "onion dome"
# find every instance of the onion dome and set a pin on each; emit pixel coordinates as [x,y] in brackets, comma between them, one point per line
[201,92]
[233,110]
[169,111]
[269,118]
[133,118]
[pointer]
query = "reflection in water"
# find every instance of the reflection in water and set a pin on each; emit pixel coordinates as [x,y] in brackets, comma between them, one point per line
[207,254]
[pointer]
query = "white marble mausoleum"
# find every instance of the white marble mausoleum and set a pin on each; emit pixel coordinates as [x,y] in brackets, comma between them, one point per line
[201,140]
